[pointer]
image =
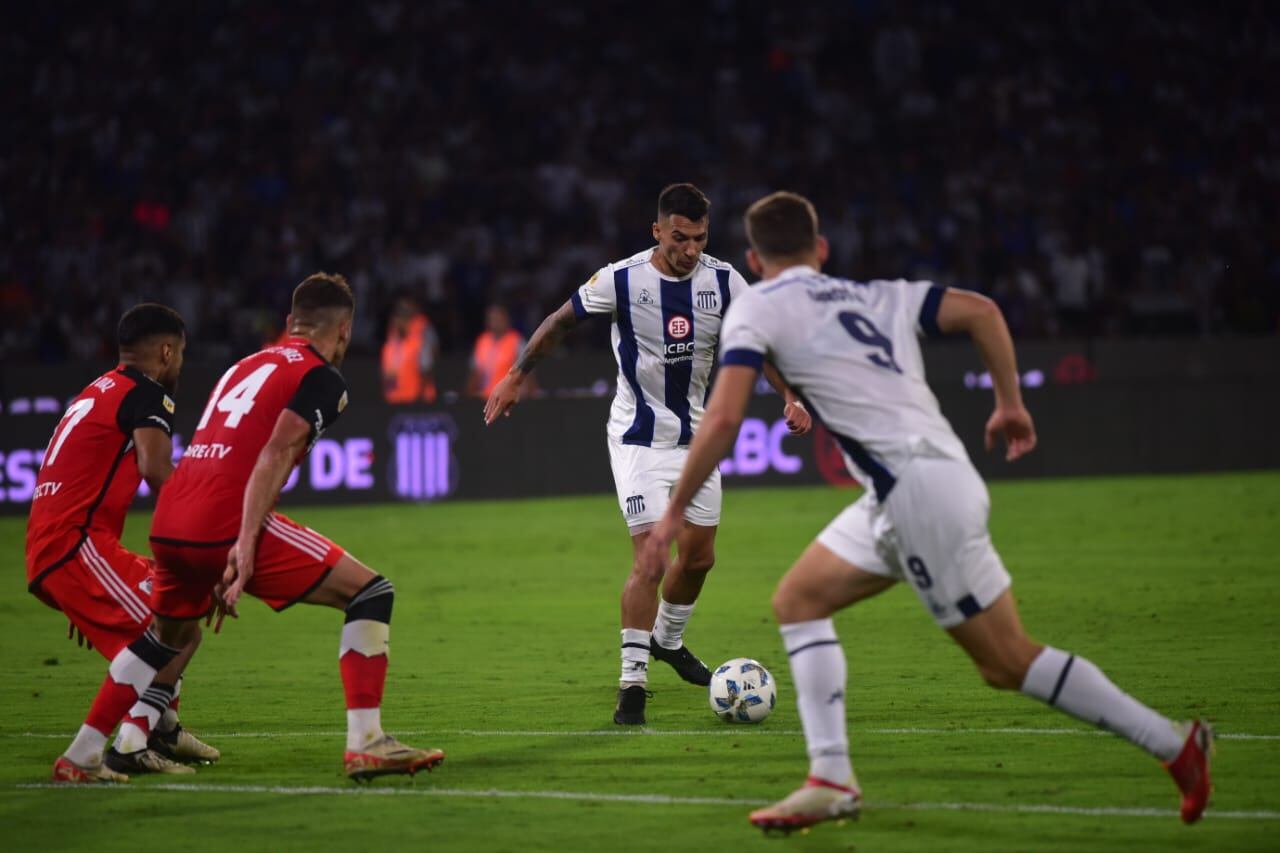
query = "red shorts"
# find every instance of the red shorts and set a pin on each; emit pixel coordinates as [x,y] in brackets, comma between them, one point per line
[104,590]
[292,561]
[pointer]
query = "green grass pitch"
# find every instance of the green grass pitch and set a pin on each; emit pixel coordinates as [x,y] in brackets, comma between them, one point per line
[504,654]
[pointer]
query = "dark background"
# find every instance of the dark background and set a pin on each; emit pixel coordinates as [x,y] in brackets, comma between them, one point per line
[1102,169]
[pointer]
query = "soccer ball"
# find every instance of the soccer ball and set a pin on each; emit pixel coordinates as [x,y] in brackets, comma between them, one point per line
[742,691]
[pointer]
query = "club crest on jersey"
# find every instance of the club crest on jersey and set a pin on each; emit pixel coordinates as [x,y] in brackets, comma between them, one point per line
[706,299]
[645,298]
[679,327]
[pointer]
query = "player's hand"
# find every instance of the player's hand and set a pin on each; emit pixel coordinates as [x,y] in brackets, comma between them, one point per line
[74,633]
[1013,424]
[656,553]
[239,569]
[504,396]
[799,421]
[218,611]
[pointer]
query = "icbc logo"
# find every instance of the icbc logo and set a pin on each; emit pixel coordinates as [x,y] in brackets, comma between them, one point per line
[678,327]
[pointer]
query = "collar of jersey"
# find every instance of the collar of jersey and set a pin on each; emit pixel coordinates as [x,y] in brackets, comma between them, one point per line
[798,269]
[304,342]
[135,374]
[666,277]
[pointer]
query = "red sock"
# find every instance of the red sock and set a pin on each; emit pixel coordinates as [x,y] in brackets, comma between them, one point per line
[111,704]
[363,678]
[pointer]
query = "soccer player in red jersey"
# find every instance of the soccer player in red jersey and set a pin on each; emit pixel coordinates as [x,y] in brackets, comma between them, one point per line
[215,534]
[114,434]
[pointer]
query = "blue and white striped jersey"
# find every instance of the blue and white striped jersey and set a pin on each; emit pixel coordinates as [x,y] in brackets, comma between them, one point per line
[852,351]
[665,333]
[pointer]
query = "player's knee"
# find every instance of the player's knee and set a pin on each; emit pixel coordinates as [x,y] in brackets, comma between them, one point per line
[176,633]
[701,561]
[643,574]
[372,602]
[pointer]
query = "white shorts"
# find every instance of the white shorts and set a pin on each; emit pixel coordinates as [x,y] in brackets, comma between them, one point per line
[931,532]
[644,478]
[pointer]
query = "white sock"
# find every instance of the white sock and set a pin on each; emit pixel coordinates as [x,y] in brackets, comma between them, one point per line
[86,749]
[635,656]
[150,706]
[668,628]
[364,726]
[1074,685]
[819,672]
[130,738]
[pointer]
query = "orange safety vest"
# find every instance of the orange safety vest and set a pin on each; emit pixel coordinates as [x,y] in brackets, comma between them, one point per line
[401,365]
[495,356]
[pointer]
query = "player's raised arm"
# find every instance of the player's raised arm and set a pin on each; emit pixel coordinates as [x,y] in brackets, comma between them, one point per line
[544,341]
[288,440]
[980,318]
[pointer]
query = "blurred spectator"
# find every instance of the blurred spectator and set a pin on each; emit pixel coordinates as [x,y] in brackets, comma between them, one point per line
[409,355]
[1105,169]
[495,353]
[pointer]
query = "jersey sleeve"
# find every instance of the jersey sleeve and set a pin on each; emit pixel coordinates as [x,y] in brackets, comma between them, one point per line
[320,398]
[744,340]
[922,302]
[737,284]
[597,296]
[146,406]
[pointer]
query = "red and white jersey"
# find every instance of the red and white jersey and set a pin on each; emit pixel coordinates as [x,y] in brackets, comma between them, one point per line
[89,471]
[203,501]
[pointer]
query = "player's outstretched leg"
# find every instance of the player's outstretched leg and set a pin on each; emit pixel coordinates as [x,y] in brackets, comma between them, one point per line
[819,584]
[362,660]
[1074,685]
[129,676]
[819,670]
[170,739]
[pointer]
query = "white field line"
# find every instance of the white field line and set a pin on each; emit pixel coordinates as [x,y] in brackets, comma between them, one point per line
[649,799]
[727,731]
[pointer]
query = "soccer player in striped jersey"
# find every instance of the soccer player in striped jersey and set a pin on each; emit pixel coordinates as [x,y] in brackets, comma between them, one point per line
[115,433]
[216,534]
[851,349]
[667,304]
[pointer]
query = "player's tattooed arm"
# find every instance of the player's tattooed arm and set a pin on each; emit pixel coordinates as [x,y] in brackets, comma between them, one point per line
[547,337]
[543,342]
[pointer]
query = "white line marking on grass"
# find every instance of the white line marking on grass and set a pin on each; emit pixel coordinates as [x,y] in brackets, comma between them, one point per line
[649,799]
[727,731]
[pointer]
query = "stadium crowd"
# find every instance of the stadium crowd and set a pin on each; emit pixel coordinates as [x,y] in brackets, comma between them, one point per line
[1099,169]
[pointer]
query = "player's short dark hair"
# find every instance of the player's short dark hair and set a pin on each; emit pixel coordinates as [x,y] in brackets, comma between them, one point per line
[148,320]
[322,290]
[684,200]
[782,225]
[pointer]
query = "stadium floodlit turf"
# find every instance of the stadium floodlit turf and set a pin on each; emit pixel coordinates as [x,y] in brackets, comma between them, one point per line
[504,654]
